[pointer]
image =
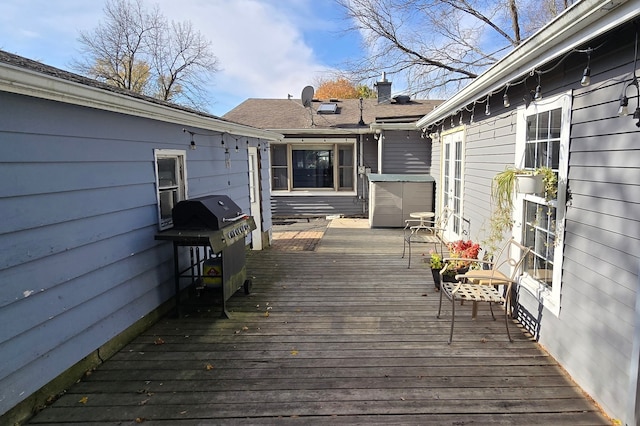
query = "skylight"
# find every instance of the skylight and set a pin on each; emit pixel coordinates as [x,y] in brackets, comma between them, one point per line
[327,108]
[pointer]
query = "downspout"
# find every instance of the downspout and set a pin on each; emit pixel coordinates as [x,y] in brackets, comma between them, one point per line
[362,175]
[380,138]
[633,402]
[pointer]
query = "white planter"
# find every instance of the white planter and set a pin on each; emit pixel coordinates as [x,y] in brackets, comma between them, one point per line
[529,184]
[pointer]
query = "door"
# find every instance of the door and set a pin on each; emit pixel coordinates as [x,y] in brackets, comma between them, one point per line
[255,197]
[452,152]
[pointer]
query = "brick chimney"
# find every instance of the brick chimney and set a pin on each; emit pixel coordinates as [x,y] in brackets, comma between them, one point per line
[384,89]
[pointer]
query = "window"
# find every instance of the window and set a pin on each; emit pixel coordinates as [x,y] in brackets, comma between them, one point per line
[170,183]
[312,166]
[542,141]
[542,149]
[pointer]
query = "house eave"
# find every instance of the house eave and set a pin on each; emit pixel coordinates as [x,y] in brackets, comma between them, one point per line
[364,130]
[27,82]
[569,30]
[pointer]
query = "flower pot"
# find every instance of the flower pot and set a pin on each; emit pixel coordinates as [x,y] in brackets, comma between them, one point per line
[436,277]
[449,278]
[529,184]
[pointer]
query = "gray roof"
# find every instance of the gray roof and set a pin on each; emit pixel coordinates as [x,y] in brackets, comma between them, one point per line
[289,114]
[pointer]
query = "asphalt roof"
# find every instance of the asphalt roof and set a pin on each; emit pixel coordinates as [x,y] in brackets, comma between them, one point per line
[291,114]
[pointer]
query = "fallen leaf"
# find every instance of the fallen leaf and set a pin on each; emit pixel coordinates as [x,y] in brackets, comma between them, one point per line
[483,340]
[158,341]
[294,352]
[143,402]
[266,314]
[140,419]
[245,328]
[208,367]
[84,400]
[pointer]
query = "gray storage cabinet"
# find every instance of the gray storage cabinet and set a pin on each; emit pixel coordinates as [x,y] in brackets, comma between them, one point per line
[392,197]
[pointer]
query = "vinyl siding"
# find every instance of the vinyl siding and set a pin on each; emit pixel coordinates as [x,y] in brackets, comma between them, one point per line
[404,152]
[78,260]
[305,205]
[593,335]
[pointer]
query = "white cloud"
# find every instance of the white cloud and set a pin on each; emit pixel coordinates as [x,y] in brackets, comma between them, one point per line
[260,46]
[263,46]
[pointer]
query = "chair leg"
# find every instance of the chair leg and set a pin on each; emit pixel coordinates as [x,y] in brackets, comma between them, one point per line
[440,304]
[404,244]
[506,323]
[506,317]
[491,309]
[453,317]
[409,245]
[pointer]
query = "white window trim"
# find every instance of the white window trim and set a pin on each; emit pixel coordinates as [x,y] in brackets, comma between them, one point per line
[550,298]
[319,192]
[169,153]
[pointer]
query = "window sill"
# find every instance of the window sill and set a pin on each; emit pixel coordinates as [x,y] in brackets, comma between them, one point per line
[304,193]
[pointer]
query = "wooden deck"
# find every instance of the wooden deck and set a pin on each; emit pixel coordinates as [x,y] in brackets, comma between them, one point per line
[345,334]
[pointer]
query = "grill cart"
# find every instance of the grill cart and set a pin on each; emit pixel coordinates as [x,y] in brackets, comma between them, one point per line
[214,228]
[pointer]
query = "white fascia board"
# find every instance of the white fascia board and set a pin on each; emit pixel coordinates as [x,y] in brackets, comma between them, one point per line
[324,131]
[394,126]
[30,83]
[580,23]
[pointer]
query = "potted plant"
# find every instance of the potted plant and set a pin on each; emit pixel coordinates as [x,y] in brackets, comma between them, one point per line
[503,188]
[461,255]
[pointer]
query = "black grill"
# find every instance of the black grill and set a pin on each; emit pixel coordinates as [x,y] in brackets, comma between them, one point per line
[213,212]
[214,228]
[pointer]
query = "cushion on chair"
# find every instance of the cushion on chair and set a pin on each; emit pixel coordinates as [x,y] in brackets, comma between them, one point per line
[487,277]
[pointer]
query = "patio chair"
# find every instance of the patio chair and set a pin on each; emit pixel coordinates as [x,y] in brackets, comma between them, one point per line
[482,285]
[417,231]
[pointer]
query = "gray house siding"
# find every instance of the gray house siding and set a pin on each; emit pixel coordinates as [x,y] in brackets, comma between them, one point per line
[489,147]
[404,152]
[291,206]
[593,336]
[78,259]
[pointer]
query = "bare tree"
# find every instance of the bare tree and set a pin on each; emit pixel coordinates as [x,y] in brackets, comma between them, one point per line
[181,57]
[137,49]
[439,45]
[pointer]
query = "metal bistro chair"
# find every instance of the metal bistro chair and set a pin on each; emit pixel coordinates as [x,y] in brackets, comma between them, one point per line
[415,231]
[481,285]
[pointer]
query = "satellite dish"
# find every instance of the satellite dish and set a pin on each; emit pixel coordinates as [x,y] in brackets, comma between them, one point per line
[307,96]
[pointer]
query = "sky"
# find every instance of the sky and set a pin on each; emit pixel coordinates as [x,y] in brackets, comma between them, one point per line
[265,48]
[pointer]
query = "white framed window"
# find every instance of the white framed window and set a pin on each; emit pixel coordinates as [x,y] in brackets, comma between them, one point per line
[313,167]
[171,183]
[542,139]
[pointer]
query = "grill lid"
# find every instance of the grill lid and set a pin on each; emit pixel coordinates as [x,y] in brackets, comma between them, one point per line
[212,212]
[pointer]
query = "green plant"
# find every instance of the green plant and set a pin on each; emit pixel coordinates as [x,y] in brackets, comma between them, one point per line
[549,181]
[435,260]
[503,186]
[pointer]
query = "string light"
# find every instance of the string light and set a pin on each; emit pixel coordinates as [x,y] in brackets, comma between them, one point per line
[586,74]
[505,97]
[623,110]
[538,95]
[192,144]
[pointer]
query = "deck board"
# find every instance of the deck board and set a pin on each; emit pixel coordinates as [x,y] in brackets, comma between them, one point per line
[345,334]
